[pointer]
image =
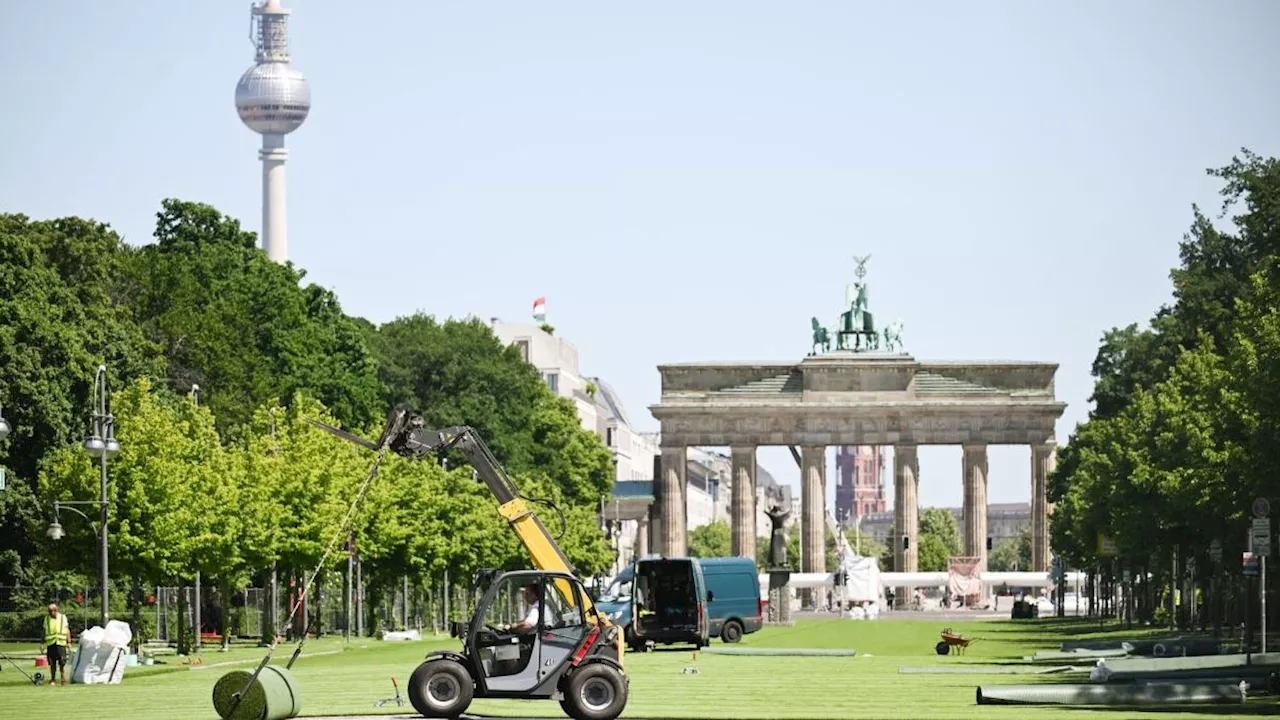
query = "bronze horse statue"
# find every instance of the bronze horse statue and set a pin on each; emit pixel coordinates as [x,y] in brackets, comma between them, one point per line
[820,337]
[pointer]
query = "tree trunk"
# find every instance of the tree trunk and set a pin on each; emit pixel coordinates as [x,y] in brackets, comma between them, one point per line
[318,611]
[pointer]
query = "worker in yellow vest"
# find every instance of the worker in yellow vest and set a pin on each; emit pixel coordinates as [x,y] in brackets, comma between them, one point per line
[57,640]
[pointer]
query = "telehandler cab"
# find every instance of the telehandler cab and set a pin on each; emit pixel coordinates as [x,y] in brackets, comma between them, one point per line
[536,634]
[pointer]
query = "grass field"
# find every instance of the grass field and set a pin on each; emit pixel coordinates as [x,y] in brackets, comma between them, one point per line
[337,679]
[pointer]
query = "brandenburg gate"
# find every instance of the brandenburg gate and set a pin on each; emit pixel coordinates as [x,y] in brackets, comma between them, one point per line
[866,391]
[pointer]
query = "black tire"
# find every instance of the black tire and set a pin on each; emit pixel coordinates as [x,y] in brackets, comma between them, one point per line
[942,648]
[441,689]
[731,632]
[595,692]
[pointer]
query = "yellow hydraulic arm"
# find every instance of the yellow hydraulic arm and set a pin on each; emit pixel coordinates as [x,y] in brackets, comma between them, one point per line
[407,436]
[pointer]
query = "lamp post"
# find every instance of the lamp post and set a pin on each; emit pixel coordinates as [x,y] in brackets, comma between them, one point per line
[195,610]
[55,533]
[101,446]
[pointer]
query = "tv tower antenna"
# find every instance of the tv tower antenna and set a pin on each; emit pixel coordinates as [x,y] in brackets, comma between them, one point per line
[273,99]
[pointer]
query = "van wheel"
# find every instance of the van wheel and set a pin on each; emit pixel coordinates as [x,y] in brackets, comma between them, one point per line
[731,632]
[440,688]
[595,692]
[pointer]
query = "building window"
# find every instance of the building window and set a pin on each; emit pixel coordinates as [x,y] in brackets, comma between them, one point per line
[524,349]
[608,437]
[553,382]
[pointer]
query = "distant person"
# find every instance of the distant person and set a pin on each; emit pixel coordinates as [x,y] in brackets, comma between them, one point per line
[57,638]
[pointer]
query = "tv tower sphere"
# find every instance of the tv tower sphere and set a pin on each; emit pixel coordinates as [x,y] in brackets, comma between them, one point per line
[272,99]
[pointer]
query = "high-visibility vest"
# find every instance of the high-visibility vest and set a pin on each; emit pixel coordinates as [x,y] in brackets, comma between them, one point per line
[55,630]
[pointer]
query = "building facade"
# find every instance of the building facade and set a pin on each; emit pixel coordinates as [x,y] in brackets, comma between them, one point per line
[557,361]
[624,517]
[1004,520]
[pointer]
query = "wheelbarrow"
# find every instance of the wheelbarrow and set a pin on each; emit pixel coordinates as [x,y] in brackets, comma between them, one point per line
[952,639]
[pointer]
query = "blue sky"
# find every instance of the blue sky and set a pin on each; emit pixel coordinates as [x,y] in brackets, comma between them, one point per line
[682,181]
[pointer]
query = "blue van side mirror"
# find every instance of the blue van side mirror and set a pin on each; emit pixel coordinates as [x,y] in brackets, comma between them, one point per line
[710,596]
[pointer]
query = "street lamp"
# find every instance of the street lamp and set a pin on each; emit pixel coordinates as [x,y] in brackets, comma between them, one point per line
[55,531]
[195,398]
[101,446]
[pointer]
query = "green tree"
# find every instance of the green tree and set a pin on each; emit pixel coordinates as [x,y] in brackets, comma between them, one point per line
[711,540]
[1182,437]
[940,523]
[938,539]
[312,479]
[1011,554]
[62,313]
[241,327]
[933,555]
[459,373]
[172,492]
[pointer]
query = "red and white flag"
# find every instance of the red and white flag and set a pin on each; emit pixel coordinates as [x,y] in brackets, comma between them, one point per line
[540,309]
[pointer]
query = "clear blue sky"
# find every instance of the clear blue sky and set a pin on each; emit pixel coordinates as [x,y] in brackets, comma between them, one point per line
[682,180]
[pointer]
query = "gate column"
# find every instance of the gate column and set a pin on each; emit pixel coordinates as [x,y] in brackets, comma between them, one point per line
[744,501]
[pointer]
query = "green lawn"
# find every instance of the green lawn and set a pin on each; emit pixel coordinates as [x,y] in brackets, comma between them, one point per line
[335,679]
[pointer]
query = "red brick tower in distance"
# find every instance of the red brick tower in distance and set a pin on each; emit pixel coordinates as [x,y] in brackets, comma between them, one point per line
[861,487]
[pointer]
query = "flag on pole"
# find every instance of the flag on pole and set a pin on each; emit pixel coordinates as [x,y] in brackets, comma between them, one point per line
[540,309]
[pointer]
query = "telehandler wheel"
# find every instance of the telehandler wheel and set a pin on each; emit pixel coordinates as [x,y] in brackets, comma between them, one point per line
[440,688]
[731,632]
[595,692]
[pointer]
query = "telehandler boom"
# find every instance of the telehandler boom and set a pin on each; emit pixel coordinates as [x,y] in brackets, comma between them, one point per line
[564,650]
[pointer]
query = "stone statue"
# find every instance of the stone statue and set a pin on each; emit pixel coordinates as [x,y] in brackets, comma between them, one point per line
[893,336]
[820,337]
[778,537]
[858,322]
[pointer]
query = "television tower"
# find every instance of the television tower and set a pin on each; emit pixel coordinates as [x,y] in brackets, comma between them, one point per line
[273,99]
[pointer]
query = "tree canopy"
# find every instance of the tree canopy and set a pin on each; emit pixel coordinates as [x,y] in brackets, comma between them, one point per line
[1183,432]
[938,539]
[239,482]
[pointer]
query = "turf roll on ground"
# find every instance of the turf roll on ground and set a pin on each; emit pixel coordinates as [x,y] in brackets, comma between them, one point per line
[1135,694]
[273,696]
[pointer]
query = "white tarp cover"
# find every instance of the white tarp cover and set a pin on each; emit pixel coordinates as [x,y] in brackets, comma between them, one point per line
[100,657]
[862,579]
[964,579]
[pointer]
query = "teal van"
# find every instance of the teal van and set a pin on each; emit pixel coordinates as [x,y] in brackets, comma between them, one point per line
[669,602]
[685,600]
[735,606]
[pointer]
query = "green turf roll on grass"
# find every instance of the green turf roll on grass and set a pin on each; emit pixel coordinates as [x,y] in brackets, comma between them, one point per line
[810,652]
[1158,647]
[1136,694]
[273,696]
[1076,655]
[988,670]
[1190,663]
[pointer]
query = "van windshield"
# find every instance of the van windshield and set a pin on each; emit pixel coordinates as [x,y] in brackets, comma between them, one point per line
[619,589]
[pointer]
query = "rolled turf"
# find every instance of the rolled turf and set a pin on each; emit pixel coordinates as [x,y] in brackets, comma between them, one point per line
[273,696]
[1136,694]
